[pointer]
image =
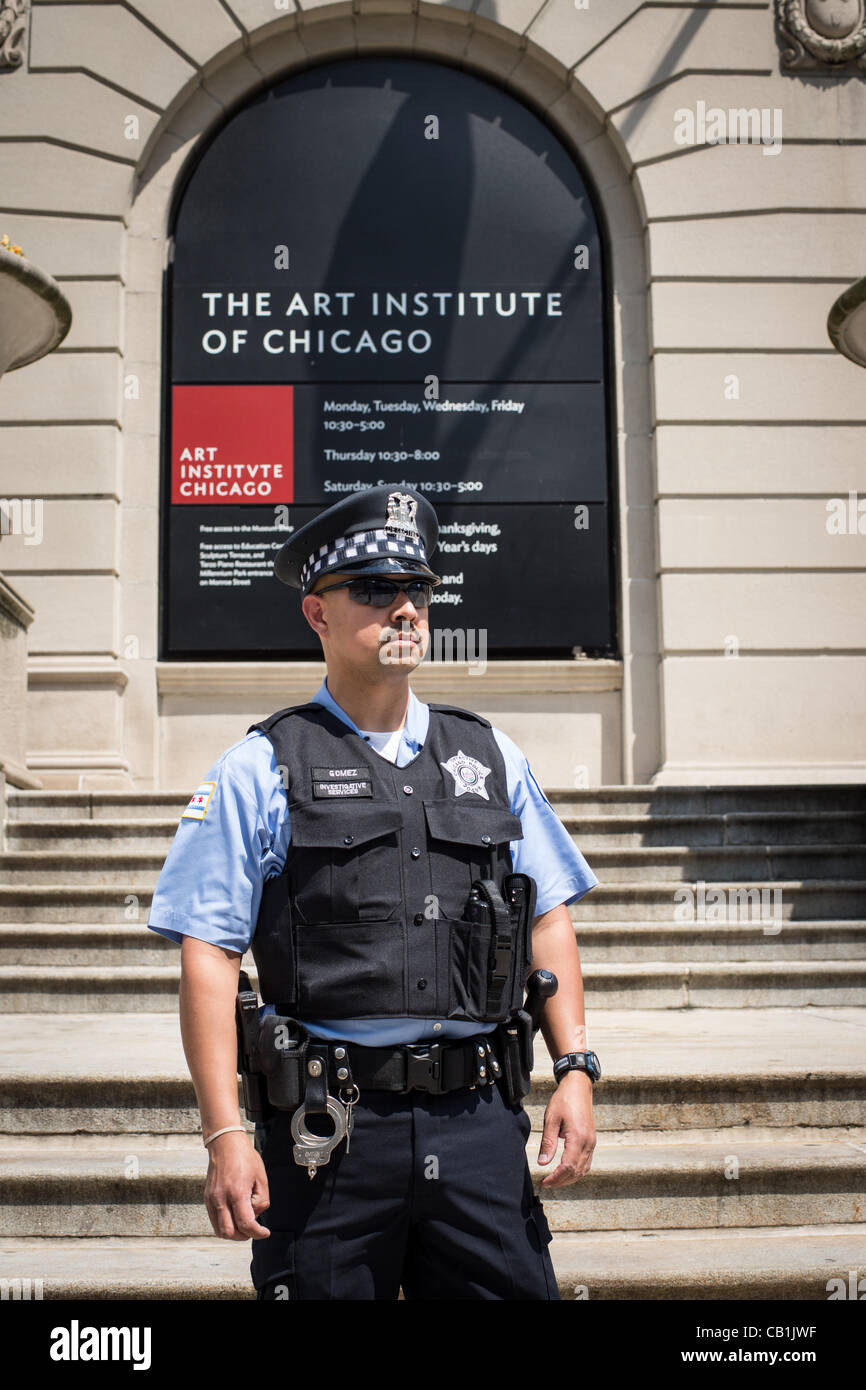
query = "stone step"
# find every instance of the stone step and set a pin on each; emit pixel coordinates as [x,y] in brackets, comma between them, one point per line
[745,829]
[739,864]
[592,833]
[677,864]
[67,836]
[640,799]
[80,1143]
[761,901]
[601,943]
[91,988]
[38,868]
[658,802]
[658,942]
[790,1182]
[709,799]
[84,943]
[82,903]
[119,1268]
[62,805]
[648,985]
[781,1262]
[110,1074]
[724,984]
[139,1191]
[776,1262]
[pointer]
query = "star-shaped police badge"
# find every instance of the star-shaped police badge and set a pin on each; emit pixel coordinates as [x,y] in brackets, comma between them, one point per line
[468,774]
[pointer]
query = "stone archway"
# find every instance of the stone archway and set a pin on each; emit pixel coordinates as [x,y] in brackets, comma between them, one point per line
[625,695]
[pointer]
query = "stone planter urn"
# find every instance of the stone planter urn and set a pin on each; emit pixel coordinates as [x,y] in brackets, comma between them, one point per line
[846,323]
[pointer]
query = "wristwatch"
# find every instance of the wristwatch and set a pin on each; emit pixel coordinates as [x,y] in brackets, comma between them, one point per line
[577,1061]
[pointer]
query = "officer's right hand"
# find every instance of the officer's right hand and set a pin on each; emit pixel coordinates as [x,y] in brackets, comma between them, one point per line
[236,1189]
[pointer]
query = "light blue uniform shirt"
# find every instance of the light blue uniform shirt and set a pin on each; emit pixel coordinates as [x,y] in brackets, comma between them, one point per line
[235,833]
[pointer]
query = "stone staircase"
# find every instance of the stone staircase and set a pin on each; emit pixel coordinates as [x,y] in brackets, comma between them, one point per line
[724,960]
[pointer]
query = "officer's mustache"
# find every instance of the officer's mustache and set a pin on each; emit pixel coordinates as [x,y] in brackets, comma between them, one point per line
[403,629]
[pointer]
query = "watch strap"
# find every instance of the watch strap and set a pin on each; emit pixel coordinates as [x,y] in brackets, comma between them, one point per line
[576,1061]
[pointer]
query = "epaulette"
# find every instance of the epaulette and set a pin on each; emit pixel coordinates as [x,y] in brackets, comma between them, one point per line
[464,713]
[272,719]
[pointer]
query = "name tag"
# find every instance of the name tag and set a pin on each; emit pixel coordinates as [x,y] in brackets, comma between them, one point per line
[342,781]
[339,774]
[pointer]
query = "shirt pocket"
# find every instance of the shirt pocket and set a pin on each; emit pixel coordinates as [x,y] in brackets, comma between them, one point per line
[343,863]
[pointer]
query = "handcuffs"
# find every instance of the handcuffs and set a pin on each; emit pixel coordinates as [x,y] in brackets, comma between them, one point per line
[313,1151]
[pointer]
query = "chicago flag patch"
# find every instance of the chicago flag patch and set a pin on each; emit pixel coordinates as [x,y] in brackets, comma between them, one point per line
[199,802]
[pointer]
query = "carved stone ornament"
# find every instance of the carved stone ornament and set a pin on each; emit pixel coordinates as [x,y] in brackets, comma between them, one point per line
[13,32]
[822,33]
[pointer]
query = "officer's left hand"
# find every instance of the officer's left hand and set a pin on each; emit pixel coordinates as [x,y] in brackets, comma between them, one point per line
[569,1114]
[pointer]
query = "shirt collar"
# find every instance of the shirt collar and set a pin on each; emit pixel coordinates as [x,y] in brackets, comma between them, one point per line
[417,716]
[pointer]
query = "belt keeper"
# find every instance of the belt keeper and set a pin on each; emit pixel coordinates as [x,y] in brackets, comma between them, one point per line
[316,1089]
[342,1067]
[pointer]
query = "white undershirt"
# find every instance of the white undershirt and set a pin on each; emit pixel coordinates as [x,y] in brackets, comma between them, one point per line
[384,742]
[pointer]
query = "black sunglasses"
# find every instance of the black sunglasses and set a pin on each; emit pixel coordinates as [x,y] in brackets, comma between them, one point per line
[382,592]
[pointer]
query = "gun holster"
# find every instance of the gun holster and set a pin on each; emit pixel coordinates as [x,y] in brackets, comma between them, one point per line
[271,1056]
[514,1036]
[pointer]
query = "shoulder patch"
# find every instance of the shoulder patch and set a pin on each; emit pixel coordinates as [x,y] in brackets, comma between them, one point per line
[199,802]
[464,713]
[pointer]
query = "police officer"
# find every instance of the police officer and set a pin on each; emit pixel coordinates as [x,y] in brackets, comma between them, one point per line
[344,840]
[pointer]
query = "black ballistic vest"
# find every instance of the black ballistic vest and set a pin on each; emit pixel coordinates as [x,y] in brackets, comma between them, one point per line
[365,920]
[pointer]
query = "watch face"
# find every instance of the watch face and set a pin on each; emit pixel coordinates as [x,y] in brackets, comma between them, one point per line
[591,1066]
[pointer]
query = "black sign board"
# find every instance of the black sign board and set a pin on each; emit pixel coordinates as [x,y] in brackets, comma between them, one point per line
[387,270]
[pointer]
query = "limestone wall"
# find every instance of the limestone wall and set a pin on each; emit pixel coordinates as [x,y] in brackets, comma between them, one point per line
[740,613]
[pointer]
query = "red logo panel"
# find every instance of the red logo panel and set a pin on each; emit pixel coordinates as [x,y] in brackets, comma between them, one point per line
[232,444]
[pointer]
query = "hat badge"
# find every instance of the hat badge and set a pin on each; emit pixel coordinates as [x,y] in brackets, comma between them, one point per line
[401,515]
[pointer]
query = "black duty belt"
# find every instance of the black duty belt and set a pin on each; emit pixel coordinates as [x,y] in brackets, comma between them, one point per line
[282,1065]
[434,1067]
[437,1067]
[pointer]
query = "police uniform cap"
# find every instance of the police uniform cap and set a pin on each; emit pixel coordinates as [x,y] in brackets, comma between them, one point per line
[379,530]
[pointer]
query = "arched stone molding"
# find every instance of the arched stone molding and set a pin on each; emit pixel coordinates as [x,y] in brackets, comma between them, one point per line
[533,75]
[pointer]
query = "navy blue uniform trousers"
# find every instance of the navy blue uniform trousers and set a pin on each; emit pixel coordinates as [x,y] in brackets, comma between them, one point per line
[435,1196]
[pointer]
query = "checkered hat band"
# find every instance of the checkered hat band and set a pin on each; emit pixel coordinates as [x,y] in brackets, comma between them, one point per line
[363,545]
